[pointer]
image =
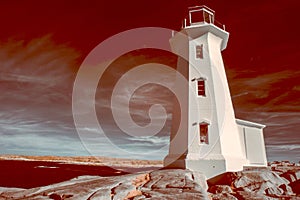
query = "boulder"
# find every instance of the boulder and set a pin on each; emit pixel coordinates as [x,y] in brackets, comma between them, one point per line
[55,196]
[247,178]
[274,191]
[222,179]
[223,196]
[101,194]
[289,177]
[176,184]
[296,187]
[216,189]
[122,190]
[160,184]
[170,184]
[286,189]
[183,196]
[292,174]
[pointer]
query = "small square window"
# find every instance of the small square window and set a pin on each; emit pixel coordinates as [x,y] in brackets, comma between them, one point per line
[199,51]
[201,87]
[203,127]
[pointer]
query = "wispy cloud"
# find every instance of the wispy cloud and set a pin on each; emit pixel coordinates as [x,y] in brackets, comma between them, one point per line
[274,91]
[36,118]
[37,61]
[283,152]
[152,140]
[36,83]
[38,144]
[285,147]
[36,72]
[270,99]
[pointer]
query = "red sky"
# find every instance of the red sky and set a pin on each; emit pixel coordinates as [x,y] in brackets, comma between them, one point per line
[261,31]
[261,59]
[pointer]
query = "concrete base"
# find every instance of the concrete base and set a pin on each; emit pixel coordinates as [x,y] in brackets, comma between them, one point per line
[209,167]
[175,161]
[234,164]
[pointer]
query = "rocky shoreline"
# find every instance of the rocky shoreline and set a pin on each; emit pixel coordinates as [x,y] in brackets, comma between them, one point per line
[281,180]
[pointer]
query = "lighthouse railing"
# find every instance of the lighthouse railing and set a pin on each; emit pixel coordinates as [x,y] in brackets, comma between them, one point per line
[186,23]
[220,25]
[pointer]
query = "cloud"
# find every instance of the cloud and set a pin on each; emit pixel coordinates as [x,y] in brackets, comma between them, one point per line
[37,61]
[36,84]
[37,144]
[267,80]
[36,80]
[275,91]
[270,99]
[36,117]
[36,72]
[281,133]
[153,140]
[283,152]
[285,147]
[140,100]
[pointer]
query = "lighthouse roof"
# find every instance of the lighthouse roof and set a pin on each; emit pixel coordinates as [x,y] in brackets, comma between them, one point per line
[250,124]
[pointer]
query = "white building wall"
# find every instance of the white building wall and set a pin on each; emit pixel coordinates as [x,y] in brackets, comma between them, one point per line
[229,136]
[242,140]
[227,148]
[203,110]
[179,139]
[255,147]
[254,144]
[179,128]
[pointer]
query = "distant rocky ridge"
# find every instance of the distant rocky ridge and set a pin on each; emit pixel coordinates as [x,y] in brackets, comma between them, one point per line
[89,160]
[281,180]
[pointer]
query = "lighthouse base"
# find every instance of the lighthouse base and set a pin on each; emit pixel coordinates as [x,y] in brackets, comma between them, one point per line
[211,167]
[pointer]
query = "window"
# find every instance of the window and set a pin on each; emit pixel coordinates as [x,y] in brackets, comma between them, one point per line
[202,15]
[199,51]
[206,17]
[201,87]
[203,127]
[196,16]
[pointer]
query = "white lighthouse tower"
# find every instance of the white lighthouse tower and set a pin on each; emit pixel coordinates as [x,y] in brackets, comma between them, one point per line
[209,139]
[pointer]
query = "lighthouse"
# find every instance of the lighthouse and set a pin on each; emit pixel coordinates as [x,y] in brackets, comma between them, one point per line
[210,139]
